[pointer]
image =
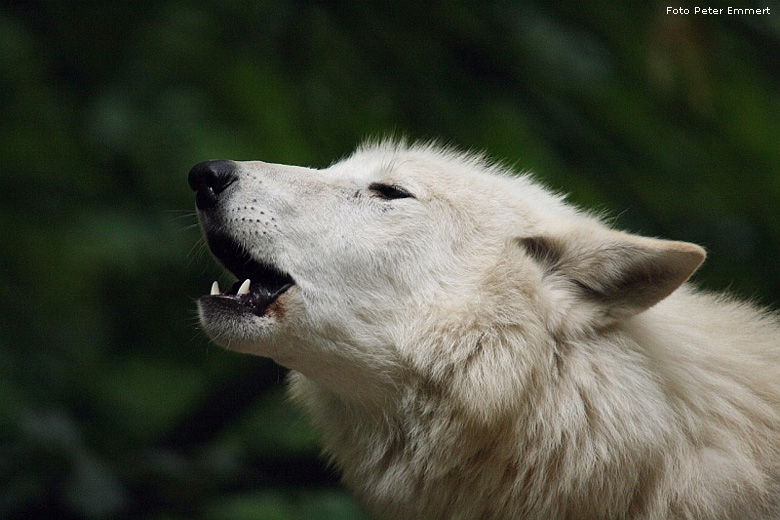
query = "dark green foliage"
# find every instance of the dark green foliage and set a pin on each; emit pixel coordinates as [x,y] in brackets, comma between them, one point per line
[112,403]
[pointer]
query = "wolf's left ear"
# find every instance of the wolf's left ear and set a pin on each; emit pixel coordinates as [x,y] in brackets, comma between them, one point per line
[622,274]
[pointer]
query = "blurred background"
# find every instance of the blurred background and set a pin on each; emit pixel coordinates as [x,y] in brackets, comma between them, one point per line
[112,403]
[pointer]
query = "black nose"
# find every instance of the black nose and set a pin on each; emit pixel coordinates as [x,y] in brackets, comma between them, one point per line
[210,178]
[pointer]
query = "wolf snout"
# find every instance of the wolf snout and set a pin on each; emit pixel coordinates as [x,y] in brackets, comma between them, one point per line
[210,178]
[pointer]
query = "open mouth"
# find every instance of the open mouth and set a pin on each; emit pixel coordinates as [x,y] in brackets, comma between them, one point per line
[258,285]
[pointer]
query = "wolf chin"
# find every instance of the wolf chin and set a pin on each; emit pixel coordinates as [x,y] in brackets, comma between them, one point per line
[470,346]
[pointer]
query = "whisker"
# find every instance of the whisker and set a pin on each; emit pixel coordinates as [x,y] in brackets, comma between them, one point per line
[197,252]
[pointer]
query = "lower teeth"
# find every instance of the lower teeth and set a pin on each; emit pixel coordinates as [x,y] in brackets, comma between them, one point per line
[244,289]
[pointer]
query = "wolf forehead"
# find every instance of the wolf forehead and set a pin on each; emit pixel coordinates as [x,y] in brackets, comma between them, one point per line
[438,171]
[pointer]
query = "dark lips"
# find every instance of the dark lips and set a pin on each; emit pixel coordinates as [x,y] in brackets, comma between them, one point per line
[265,282]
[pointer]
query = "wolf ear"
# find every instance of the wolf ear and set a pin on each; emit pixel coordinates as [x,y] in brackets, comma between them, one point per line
[622,274]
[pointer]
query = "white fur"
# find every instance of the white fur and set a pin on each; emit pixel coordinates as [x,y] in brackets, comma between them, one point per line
[484,350]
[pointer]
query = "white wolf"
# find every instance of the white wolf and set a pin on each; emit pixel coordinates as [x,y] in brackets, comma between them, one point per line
[470,346]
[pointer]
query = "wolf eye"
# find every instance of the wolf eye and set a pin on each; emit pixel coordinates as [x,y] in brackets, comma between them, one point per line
[389,191]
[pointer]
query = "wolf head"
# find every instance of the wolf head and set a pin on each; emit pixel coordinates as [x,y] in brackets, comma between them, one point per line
[405,261]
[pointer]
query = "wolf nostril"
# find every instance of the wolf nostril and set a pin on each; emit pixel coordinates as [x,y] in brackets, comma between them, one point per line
[210,178]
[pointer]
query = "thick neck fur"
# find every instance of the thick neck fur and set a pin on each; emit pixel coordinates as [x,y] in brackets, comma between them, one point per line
[686,394]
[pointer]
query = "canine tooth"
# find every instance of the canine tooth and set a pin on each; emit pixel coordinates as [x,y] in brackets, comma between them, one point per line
[215,289]
[244,289]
